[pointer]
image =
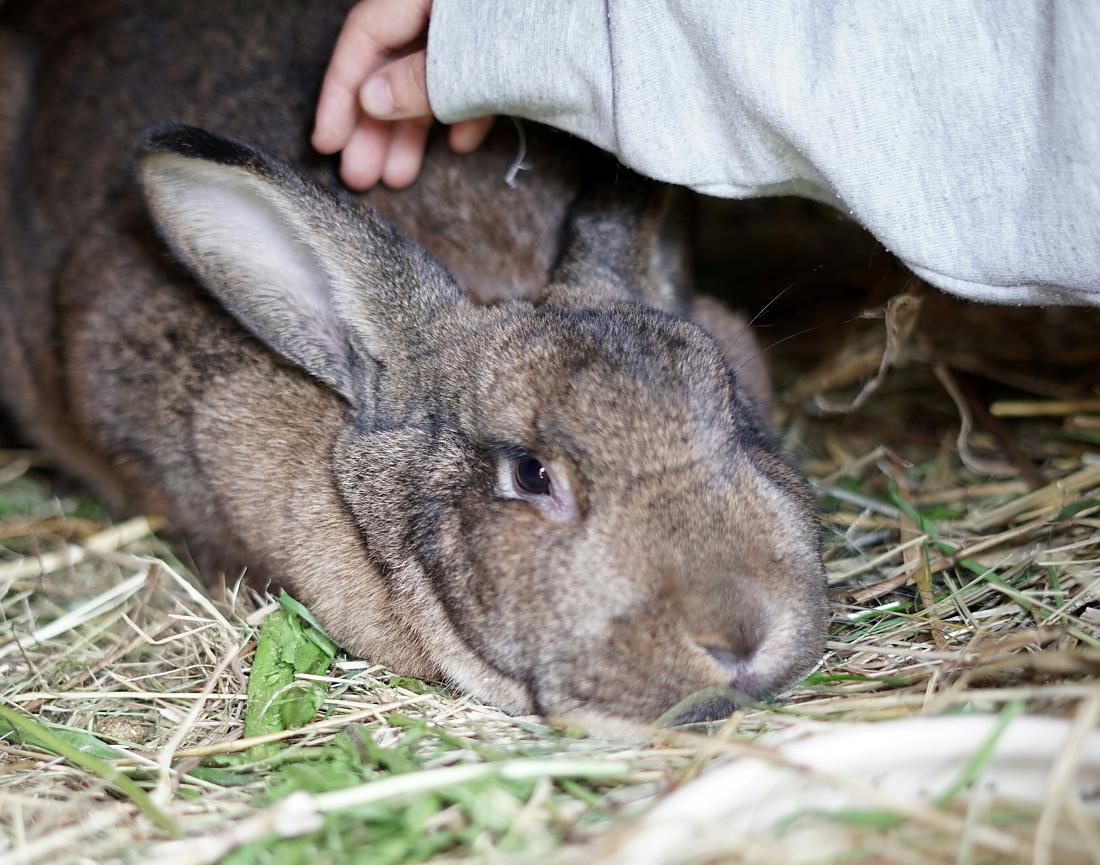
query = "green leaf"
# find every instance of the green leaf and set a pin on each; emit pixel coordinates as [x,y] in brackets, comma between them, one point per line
[315,632]
[81,740]
[35,733]
[223,777]
[870,818]
[1082,436]
[1076,508]
[277,701]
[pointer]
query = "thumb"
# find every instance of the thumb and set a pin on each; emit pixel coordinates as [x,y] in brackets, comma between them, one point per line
[399,90]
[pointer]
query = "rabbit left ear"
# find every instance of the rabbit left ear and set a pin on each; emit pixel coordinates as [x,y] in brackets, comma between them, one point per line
[332,288]
[626,238]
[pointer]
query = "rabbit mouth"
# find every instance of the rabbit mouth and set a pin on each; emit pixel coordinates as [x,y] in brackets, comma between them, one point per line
[707,710]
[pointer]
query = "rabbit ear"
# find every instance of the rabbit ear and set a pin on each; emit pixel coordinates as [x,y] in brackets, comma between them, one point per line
[626,238]
[331,287]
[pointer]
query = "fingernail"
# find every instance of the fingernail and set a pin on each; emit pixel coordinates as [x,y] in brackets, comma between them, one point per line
[377,98]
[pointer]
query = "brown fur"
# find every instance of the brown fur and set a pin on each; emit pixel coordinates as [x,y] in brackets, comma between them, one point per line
[308,393]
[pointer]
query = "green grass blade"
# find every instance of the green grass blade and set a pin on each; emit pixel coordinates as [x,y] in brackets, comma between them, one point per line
[974,766]
[32,731]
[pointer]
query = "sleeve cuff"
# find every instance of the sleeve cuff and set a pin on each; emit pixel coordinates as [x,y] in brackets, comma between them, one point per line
[548,62]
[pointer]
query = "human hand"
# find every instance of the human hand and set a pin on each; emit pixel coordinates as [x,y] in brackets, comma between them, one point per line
[374,99]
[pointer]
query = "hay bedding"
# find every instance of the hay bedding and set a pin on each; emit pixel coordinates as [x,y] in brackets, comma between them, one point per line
[956,454]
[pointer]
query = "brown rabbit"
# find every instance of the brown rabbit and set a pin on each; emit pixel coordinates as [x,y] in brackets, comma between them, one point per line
[564,500]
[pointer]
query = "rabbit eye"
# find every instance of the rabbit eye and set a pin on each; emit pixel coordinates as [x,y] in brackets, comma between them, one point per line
[523,477]
[532,476]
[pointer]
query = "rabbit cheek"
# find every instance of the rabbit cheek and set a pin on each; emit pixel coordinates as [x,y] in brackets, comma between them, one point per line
[408,490]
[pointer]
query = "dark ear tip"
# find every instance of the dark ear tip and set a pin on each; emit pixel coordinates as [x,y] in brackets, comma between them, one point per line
[194,142]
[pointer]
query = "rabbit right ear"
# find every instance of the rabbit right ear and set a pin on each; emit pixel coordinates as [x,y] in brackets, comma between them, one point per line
[331,287]
[625,238]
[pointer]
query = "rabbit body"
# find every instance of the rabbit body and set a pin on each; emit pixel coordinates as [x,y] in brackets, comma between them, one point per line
[565,499]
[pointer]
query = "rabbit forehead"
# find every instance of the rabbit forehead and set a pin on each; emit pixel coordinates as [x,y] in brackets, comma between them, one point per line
[576,379]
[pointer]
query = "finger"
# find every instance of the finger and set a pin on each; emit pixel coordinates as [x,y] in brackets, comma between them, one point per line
[365,154]
[372,29]
[390,24]
[355,56]
[406,153]
[468,134]
[399,90]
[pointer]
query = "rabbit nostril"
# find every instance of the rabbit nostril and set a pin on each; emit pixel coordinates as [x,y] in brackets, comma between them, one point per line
[734,649]
[733,662]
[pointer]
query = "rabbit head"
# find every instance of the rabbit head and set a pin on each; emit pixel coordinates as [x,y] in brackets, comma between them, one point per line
[571,501]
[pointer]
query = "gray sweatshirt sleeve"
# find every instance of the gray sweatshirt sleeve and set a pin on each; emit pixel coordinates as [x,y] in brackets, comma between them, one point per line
[964,134]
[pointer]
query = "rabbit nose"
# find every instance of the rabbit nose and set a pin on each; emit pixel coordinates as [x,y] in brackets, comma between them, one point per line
[739,667]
